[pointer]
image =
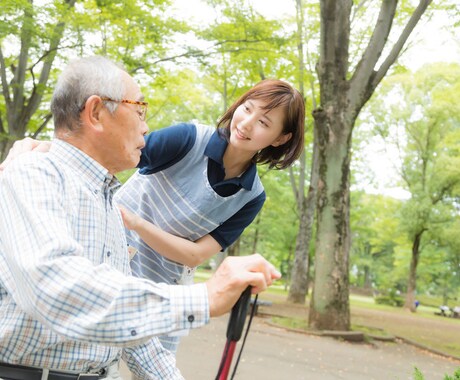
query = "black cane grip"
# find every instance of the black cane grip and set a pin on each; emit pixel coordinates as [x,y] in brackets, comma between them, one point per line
[238,316]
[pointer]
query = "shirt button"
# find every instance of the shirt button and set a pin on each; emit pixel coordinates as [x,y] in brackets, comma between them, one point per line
[109,253]
[191,318]
[133,332]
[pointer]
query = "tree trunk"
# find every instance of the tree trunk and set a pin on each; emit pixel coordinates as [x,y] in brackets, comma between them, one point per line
[288,272]
[19,107]
[256,232]
[300,269]
[5,145]
[367,283]
[342,95]
[298,290]
[234,249]
[299,275]
[412,281]
[329,304]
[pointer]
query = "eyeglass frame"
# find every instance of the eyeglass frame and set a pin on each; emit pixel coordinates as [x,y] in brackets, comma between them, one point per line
[144,105]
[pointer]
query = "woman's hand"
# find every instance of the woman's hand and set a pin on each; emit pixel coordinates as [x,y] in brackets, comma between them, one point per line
[24,146]
[130,220]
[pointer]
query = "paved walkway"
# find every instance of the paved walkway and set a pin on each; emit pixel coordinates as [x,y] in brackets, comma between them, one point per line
[272,353]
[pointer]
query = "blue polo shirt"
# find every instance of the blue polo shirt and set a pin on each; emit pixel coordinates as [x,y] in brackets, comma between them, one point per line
[167,146]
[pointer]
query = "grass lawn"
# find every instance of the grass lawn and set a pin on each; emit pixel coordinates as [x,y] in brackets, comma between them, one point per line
[423,327]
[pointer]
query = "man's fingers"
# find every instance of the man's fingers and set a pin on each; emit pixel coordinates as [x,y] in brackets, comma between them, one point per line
[233,276]
[258,282]
[266,268]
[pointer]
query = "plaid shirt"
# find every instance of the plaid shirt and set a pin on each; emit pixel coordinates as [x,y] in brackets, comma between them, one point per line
[67,300]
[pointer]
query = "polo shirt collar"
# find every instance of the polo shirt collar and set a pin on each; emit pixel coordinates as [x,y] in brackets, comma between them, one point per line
[215,150]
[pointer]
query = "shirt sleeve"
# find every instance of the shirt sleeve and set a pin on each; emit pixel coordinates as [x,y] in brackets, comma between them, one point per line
[165,147]
[152,361]
[229,231]
[52,280]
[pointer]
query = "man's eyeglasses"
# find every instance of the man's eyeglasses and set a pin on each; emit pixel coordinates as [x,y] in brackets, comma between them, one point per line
[142,109]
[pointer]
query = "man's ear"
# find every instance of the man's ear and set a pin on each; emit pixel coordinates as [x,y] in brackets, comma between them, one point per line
[91,114]
[283,139]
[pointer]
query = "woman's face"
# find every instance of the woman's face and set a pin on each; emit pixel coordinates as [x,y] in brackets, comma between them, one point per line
[253,128]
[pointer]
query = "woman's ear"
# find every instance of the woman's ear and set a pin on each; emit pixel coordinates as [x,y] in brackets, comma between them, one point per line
[283,139]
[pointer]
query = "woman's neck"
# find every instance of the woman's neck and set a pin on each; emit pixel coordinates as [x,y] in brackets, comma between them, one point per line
[235,163]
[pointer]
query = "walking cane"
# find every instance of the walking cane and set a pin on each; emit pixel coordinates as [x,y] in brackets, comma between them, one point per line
[234,330]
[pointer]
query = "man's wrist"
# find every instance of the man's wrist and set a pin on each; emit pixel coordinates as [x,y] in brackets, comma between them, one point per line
[189,306]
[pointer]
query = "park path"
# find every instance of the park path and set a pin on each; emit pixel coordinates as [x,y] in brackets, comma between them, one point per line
[273,353]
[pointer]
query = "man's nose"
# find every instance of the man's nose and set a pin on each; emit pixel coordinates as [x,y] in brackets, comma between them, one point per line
[144,127]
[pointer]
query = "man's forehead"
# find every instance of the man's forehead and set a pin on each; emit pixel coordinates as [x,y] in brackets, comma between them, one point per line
[132,88]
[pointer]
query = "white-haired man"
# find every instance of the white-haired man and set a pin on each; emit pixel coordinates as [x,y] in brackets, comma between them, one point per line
[68,305]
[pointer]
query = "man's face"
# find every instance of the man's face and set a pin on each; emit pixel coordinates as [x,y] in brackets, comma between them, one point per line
[124,130]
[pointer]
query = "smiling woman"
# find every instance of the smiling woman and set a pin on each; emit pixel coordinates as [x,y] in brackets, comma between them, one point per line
[199,187]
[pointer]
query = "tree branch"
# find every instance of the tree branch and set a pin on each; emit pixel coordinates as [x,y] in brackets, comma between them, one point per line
[334,44]
[446,189]
[36,96]
[200,53]
[294,187]
[366,79]
[395,51]
[365,68]
[42,125]
[2,128]
[19,74]
[5,88]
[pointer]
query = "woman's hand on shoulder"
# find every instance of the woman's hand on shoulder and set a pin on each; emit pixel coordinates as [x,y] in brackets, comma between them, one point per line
[23,146]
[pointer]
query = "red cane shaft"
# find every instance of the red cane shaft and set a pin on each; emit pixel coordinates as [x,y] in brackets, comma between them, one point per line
[226,369]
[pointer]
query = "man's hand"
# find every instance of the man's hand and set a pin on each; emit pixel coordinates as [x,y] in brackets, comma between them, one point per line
[233,276]
[23,146]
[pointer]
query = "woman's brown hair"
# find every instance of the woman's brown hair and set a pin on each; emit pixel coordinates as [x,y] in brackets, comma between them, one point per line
[275,93]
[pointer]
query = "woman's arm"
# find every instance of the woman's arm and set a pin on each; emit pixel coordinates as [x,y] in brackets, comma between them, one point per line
[190,253]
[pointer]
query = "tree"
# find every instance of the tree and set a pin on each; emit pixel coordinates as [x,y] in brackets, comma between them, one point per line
[245,48]
[37,37]
[424,125]
[343,93]
[24,77]
[306,200]
[374,222]
[446,280]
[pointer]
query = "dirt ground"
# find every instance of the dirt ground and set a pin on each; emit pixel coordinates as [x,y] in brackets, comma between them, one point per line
[445,332]
[274,353]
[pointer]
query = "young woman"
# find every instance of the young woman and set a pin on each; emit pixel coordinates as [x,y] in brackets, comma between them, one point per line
[197,187]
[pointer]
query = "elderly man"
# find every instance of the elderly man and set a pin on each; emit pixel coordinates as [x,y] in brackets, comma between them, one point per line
[68,305]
